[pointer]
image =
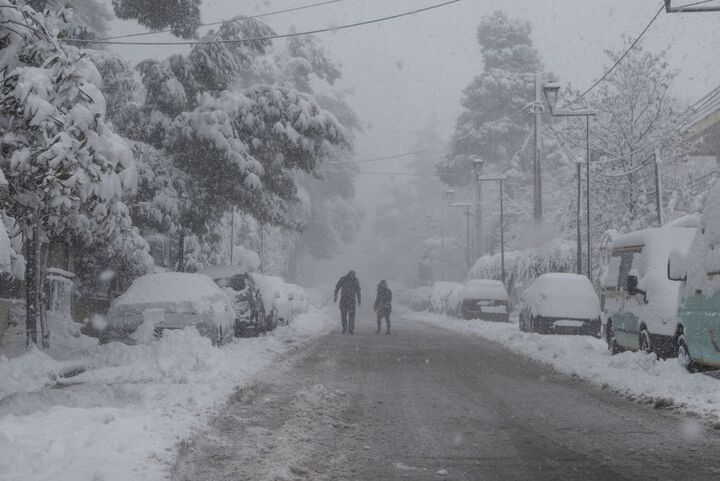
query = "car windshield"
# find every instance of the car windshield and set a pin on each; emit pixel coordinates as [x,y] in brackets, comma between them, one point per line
[334,240]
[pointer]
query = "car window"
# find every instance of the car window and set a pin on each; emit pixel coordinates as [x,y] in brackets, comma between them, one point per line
[613,273]
[626,265]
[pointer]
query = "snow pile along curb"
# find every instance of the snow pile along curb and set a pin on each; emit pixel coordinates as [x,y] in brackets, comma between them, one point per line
[122,419]
[640,376]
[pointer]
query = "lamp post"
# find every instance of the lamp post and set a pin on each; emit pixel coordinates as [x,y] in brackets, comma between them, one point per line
[477,166]
[551,93]
[499,180]
[450,193]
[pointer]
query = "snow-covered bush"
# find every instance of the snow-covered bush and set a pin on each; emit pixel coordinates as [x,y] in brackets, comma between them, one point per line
[441,291]
[522,267]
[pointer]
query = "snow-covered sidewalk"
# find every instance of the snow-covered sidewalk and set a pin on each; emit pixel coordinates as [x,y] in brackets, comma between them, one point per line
[123,418]
[639,376]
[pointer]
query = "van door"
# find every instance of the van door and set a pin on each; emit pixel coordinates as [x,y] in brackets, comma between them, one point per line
[626,316]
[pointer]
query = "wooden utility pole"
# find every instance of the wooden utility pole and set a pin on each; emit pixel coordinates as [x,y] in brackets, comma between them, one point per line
[537,180]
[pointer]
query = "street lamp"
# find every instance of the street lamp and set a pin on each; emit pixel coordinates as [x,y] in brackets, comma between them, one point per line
[551,91]
[477,165]
[450,194]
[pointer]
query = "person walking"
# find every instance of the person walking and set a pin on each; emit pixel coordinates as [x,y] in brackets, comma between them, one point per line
[383,305]
[349,288]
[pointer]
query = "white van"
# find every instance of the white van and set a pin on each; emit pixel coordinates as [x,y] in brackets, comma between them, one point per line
[639,303]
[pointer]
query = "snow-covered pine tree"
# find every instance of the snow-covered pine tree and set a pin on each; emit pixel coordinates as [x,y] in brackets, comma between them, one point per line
[495,126]
[67,170]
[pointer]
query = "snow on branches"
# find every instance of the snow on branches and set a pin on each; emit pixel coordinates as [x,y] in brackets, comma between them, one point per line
[66,168]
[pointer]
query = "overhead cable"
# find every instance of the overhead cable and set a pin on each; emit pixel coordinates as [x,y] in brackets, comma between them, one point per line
[267,37]
[617,62]
[259,15]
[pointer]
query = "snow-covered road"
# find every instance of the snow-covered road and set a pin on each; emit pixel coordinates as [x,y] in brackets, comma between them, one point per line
[429,403]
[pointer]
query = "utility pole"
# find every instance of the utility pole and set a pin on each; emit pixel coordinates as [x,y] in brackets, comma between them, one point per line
[587,196]
[232,236]
[537,181]
[478,221]
[502,235]
[658,190]
[579,208]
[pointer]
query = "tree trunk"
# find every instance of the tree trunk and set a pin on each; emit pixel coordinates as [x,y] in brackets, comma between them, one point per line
[31,285]
[181,252]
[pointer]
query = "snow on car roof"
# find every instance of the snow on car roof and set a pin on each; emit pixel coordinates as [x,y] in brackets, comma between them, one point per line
[484,289]
[168,287]
[678,230]
[559,294]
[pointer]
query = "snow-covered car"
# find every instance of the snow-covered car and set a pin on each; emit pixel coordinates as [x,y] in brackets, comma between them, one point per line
[697,273]
[560,303]
[239,285]
[485,299]
[298,298]
[639,302]
[171,300]
[441,291]
[274,291]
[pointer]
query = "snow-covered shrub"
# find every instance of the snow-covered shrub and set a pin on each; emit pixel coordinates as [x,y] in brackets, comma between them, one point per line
[522,267]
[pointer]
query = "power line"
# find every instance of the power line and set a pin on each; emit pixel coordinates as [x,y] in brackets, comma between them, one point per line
[268,37]
[617,62]
[259,15]
[415,152]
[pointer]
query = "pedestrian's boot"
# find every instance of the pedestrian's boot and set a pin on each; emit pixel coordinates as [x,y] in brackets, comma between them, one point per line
[378,329]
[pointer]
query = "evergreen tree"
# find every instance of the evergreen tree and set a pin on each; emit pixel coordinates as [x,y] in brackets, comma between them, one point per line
[67,170]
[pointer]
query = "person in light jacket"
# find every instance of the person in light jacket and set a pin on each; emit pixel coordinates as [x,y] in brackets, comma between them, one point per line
[383,305]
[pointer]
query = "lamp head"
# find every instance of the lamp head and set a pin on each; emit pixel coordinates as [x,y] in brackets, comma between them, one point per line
[478,163]
[551,90]
[449,193]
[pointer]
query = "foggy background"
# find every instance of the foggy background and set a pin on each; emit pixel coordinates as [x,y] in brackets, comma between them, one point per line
[403,74]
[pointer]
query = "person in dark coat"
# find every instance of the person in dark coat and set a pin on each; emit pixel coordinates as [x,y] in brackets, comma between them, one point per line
[383,305]
[349,288]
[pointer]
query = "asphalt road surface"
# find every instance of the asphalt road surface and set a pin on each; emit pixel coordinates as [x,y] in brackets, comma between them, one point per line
[425,403]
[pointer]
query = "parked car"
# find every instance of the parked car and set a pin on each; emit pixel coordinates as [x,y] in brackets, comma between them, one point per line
[441,291]
[250,314]
[697,274]
[559,303]
[274,290]
[454,301]
[639,302]
[172,300]
[485,299]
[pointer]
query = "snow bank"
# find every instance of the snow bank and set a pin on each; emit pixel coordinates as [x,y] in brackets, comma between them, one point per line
[639,376]
[123,417]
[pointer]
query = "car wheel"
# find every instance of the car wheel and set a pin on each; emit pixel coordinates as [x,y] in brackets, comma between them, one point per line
[644,341]
[684,358]
[613,346]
